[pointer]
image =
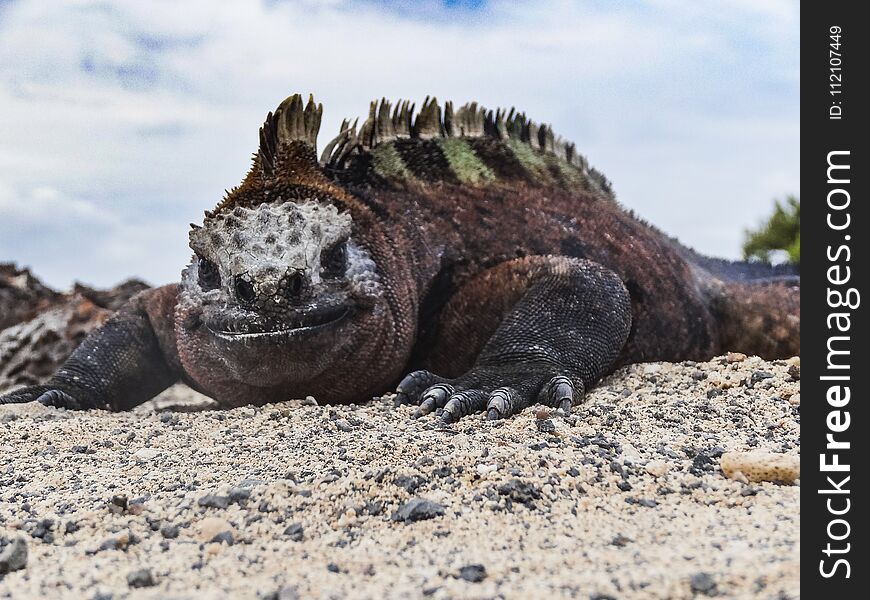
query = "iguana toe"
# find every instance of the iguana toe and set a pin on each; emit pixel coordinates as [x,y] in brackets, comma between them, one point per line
[561,392]
[59,399]
[434,397]
[411,388]
[462,404]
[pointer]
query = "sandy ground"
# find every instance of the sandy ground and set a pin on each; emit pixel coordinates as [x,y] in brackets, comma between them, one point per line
[626,498]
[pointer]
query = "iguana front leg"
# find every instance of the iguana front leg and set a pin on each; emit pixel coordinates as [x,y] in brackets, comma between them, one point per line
[125,362]
[550,327]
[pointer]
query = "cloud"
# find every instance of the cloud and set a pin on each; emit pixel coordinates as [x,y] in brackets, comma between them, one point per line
[145,112]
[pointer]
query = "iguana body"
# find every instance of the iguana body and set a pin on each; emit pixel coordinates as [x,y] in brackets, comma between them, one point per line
[473,245]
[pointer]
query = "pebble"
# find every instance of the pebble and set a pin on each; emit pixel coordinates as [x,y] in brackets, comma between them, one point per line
[210,527]
[140,578]
[13,556]
[169,531]
[657,468]
[295,532]
[145,454]
[703,583]
[225,537]
[214,501]
[418,509]
[545,425]
[473,573]
[761,465]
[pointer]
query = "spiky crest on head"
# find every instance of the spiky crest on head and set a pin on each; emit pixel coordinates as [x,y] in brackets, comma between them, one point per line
[289,123]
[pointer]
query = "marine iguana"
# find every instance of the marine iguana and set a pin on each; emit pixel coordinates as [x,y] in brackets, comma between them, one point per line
[472,251]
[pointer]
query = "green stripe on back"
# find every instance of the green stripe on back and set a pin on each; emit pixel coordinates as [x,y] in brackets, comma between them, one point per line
[531,160]
[389,164]
[466,165]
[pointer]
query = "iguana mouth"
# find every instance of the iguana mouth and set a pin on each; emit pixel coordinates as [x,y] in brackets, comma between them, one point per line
[257,327]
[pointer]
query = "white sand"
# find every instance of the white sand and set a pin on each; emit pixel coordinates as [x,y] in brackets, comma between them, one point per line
[624,499]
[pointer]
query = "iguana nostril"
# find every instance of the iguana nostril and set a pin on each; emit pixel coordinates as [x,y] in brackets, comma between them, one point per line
[295,284]
[245,291]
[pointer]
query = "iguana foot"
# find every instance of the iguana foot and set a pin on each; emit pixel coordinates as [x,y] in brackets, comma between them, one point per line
[500,393]
[44,394]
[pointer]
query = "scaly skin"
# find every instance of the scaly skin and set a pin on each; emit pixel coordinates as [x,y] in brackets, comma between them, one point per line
[474,251]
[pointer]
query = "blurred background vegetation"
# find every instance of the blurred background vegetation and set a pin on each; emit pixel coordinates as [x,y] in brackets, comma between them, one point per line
[781,232]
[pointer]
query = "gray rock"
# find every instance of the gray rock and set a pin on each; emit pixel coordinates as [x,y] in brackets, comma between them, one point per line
[169,531]
[140,578]
[295,532]
[214,501]
[224,536]
[418,509]
[473,573]
[703,583]
[14,556]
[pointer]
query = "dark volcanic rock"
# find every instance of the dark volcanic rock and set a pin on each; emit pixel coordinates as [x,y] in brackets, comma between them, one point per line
[22,296]
[418,509]
[473,573]
[13,556]
[140,578]
[39,327]
[114,298]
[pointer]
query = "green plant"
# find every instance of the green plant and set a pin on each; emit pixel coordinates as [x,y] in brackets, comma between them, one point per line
[782,231]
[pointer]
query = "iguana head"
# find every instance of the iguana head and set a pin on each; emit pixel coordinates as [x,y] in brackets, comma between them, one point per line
[280,281]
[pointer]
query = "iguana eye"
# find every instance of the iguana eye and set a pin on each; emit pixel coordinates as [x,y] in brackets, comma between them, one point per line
[209,276]
[333,262]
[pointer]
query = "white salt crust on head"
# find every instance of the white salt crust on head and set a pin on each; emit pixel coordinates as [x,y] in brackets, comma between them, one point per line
[269,240]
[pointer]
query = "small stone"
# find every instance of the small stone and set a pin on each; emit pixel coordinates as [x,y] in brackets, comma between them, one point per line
[794,371]
[140,578]
[520,491]
[702,583]
[333,568]
[309,401]
[484,470]
[758,376]
[239,495]
[225,537]
[211,527]
[14,556]
[657,468]
[760,465]
[214,501]
[418,509]
[295,532]
[545,426]
[542,413]
[169,531]
[795,399]
[166,416]
[734,357]
[473,573]
[144,454]
[120,501]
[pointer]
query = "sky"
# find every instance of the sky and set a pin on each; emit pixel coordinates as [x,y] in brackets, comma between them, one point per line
[121,121]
